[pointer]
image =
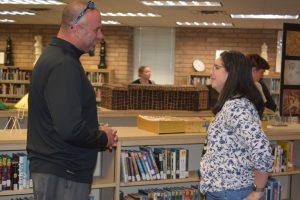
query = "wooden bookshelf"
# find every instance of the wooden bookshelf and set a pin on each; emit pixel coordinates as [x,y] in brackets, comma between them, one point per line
[193,177]
[131,137]
[295,171]
[198,78]
[272,82]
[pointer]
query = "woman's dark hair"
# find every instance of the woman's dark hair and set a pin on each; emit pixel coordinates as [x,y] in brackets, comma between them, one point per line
[258,62]
[239,82]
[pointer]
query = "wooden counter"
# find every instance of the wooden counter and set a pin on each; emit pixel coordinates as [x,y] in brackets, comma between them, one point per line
[139,136]
[102,112]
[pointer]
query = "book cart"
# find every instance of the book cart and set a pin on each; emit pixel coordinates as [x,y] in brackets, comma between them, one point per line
[108,183]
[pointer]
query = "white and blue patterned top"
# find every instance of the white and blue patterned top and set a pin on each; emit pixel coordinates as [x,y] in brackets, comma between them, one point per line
[236,146]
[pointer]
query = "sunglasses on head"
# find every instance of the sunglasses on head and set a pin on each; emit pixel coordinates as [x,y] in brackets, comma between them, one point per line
[90,5]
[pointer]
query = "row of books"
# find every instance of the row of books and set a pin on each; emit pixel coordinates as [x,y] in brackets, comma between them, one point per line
[13,89]
[14,74]
[203,80]
[283,152]
[153,164]
[23,198]
[178,193]
[273,190]
[95,77]
[275,85]
[14,172]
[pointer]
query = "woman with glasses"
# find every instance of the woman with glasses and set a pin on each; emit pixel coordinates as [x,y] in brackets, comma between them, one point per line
[238,155]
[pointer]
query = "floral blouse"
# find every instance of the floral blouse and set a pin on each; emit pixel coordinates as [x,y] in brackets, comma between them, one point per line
[236,146]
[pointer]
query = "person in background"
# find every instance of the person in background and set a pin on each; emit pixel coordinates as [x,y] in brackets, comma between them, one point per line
[144,74]
[238,157]
[259,66]
[63,135]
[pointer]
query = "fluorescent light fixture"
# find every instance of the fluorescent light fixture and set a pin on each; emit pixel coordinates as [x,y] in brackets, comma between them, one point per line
[213,24]
[7,20]
[35,2]
[110,22]
[16,13]
[182,3]
[129,14]
[263,16]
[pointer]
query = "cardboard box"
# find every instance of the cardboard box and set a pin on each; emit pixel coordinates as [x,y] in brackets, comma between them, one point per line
[168,124]
[161,124]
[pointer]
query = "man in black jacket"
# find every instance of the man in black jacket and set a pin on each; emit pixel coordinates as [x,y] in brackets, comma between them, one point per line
[63,133]
[259,66]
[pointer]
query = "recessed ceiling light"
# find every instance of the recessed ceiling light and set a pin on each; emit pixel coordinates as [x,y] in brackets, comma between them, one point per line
[16,13]
[7,20]
[110,22]
[213,24]
[263,16]
[35,2]
[181,3]
[129,14]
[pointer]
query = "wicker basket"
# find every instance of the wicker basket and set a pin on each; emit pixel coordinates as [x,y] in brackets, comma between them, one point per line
[114,97]
[154,97]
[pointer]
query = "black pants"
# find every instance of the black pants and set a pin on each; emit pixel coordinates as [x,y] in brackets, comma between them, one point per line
[51,187]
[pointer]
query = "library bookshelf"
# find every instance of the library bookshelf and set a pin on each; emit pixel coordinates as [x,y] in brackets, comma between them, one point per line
[198,78]
[272,82]
[108,175]
[14,82]
[98,77]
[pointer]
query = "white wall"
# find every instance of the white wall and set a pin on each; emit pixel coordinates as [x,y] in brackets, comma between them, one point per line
[155,47]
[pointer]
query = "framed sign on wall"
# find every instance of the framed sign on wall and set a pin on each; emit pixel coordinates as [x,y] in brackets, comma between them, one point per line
[290,71]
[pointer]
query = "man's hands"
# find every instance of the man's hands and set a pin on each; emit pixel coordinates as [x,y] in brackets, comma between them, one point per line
[112,137]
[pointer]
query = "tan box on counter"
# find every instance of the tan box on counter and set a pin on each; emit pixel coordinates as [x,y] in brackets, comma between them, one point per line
[168,124]
[164,124]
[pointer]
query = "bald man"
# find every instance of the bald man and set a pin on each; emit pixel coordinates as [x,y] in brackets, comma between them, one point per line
[63,133]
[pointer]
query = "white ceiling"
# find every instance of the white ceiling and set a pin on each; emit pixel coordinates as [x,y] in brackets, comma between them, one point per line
[170,15]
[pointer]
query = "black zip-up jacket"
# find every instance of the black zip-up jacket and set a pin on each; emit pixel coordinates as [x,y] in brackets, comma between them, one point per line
[63,135]
[270,102]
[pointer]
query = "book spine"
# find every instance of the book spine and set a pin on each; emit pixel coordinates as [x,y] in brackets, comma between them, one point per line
[8,174]
[291,156]
[148,165]
[144,165]
[26,172]
[1,170]
[182,163]
[124,167]
[135,167]
[4,172]
[21,172]
[139,165]
[131,169]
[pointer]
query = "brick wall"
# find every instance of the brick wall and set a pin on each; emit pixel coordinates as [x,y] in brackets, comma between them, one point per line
[119,43]
[191,43]
[200,43]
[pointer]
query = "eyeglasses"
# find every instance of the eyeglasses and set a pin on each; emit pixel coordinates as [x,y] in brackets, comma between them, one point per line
[217,67]
[90,5]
